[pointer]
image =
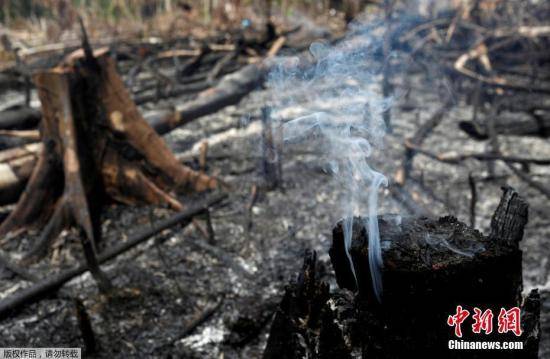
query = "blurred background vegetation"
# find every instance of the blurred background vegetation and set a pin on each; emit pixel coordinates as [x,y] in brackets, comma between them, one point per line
[45,21]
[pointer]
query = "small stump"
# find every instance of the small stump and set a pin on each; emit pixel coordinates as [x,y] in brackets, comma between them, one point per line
[430,268]
[97,148]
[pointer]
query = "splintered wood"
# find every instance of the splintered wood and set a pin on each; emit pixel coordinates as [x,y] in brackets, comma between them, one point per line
[96,148]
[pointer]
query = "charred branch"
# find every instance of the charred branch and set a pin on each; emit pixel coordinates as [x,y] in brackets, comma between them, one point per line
[536,126]
[50,285]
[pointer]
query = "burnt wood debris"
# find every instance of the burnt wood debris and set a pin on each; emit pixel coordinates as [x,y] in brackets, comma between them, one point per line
[97,141]
[430,267]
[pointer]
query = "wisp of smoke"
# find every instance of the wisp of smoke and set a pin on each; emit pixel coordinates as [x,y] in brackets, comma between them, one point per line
[341,112]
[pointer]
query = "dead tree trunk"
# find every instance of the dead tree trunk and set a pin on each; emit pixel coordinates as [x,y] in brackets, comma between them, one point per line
[430,267]
[96,147]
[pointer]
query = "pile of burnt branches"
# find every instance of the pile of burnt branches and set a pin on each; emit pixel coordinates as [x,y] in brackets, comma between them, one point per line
[492,55]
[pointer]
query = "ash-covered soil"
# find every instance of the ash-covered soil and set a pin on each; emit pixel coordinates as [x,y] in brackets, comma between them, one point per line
[167,283]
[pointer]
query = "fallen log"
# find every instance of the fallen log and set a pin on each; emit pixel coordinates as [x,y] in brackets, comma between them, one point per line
[49,285]
[535,125]
[430,268]
[229,91]
[22,118]
[173,92]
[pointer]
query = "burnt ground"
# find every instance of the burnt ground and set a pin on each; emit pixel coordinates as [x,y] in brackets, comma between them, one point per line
[164,284]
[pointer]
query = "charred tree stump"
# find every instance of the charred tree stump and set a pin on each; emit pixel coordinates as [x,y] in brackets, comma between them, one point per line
[430,267]
[96,148]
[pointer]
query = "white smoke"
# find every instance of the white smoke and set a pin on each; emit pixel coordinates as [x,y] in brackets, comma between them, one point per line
[345,115]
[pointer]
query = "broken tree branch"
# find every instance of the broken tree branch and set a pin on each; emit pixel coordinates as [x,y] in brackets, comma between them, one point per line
[48,285]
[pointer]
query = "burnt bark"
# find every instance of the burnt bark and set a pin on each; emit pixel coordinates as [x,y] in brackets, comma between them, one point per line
[230,91]
[430,267]
[96,148]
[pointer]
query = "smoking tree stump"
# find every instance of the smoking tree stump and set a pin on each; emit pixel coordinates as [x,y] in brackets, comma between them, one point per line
[96,148]
[430,267]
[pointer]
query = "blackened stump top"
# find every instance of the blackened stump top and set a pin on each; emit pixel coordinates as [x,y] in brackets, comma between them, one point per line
[440,260]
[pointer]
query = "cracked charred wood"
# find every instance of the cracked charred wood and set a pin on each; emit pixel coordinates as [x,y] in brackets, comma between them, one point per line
[249,322]
[295,327]
[96,148]
[292,330]
[16,166]
[310,322]
[536,125]
[430,267]
[446,250]
[437,259]
[510,218]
